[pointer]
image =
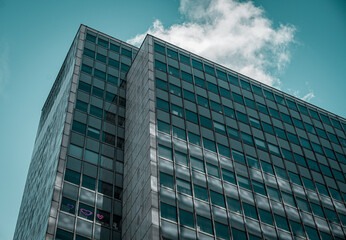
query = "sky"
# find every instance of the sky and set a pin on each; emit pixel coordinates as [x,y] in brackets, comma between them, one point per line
[296,46]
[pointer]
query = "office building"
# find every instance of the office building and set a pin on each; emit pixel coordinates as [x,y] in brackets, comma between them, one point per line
[201,152]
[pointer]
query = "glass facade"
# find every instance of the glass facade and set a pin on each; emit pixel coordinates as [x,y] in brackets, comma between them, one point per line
[207,153]
[238,159]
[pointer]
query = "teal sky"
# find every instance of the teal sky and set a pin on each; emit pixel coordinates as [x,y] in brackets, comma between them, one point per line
[36,35]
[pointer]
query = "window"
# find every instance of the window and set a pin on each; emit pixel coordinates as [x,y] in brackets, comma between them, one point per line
[199,82]
[245,85]
[95,111]
[204,224]
[173,71]
[72,176]
[297,228]
[252,162]
[260,144]
[168,212]
[102,43]
[286,118]
[201,193]
[98,92]
[78,127]
[89,182]
[162,104]
[161,66]
[250,211]
[108,138]
[202,101]
[68,205]
[228,176]
[219,127]
[295,178]
[181,158]
[87,69]
[191,116]
[291,104]
[268,94]
[274,113]
[243,182]
[103,217]
[186,218]
[247,138]
[99,74]
[221,75]
[257,90]
[172,54]
[213,170]
[205,122]
[89,53]
[237,98]
[163,127]
[250,103]
[126,52]
[105,188]
[165,152]
[184,59]
[233,133]
[229,112]
[183,186]
[259,187]
[186,76]
[255,123]
[281,222]
[111,97]
[221,230]
[112,79]
[238,156]
[195,139]
[262,108]
[268,128]
[93,133]
[208,144]
[82,106]
[114,47]
[274,194]
[288,199]
[160,49]
[267,167]
[233,205]
[101,58]
[166,180]
[233,80]
[174,89]
[265,216]
[113,63]
[90,38]
[225,93]
[280,99]
[197,64]
[109,117]
[212,87]
[210,70]
[217,199]
[303,204]
[280,133]
[161,84]
[197,164]
[84,87]
[215,107]
[86,211]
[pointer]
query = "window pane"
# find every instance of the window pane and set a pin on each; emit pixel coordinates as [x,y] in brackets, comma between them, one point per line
[168,212]
[204,224]
[217,199]
[186,218]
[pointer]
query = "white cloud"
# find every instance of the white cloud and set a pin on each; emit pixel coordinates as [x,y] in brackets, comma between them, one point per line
[236,35]
[307,97]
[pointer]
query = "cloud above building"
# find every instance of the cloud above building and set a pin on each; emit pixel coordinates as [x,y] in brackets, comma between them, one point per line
[236,35]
